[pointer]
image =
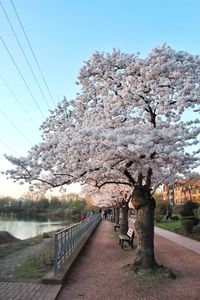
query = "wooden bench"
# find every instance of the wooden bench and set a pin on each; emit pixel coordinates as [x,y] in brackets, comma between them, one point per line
[127,238]
[115,226]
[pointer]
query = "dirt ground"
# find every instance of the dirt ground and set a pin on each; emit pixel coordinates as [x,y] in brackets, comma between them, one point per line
[99,272]
[6,237]
[8,243]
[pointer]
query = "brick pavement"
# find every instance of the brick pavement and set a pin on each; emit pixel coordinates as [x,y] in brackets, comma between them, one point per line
[28,291]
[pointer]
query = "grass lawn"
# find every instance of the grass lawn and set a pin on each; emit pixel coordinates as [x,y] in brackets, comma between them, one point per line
[175,226]
[30,269]
[170,225]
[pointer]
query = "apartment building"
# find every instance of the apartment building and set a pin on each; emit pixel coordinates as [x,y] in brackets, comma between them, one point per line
[182,191]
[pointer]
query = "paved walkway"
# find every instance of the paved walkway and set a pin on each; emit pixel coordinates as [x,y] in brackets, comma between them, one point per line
[180,240]
[98,273]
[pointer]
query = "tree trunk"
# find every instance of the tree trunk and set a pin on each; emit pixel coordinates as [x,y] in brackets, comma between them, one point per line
[144,227]
[124,219]
[114,213]
[116,219]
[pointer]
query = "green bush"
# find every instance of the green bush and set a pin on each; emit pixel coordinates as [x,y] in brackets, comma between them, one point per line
[175,217]
[196,229]
[192,218]
[187,209]
[187,226]
[158,218]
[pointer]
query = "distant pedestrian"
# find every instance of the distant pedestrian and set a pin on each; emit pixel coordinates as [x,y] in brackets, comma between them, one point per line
[82,218]
[168,214]
[92,213]
[109,214]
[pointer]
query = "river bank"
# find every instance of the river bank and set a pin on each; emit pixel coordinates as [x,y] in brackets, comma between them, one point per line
[10,244]
[15,253]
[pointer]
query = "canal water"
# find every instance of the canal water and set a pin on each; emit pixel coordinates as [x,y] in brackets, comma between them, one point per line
[24,229]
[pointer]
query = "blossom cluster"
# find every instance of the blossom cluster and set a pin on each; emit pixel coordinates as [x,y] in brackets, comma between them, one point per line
[126,123]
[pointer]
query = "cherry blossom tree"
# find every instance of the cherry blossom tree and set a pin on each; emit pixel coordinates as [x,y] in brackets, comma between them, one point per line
[127,127]
[112,196]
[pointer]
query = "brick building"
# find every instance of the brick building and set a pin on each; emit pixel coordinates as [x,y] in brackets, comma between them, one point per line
[182,191]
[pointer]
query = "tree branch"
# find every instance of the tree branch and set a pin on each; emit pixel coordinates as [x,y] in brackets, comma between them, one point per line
[112,182]
[140,178]
[127,174]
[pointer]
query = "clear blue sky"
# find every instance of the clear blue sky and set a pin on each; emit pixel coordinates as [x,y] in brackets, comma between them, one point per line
[63,34]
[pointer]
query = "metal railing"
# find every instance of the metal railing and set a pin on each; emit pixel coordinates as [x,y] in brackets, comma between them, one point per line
[67,239]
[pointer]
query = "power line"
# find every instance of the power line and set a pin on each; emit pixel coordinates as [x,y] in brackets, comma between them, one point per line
[9,147]
[24,54]
[20,22]
[9,53]
[11,122]
[18,101]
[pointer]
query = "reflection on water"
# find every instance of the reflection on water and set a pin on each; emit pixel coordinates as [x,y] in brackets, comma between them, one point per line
[24,229]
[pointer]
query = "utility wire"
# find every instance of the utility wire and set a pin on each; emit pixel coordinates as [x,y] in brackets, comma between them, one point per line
[9,147]
[18,101]
[9,53]
[11,122]
[22,27]
[24,54]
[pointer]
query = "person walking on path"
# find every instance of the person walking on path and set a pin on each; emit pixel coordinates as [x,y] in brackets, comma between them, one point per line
[99,274]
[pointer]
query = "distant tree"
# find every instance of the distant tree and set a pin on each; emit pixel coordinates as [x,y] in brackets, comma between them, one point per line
[43,204]
[6,200]
[71,196]
[55,202]
[32,196]
[6,203]
[75,207]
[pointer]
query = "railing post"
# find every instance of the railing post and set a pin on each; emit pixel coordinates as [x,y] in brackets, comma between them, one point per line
[56,255]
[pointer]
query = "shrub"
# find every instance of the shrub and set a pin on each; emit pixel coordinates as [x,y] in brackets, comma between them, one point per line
[175,217]
[45,256]
[158,218]
[192,218]
[187,208]
[187,226]
[196,229]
